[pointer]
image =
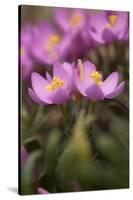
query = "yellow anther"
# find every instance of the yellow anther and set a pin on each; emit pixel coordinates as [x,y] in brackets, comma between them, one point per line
[96,76]
[75,19]
[56,83]
[52,41]
[49,87]
[112,19]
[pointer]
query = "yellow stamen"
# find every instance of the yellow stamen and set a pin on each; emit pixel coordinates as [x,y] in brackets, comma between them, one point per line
[75,19]
[112,19]
[96,76]
[52,41]
[80,69]
[56,83]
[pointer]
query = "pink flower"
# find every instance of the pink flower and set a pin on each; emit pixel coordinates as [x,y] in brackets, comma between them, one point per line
[48,45]
[89,82]
[24,157]
[106,26]
[42,191]
[52,90]
[26,61]
[73,22]
[70,19]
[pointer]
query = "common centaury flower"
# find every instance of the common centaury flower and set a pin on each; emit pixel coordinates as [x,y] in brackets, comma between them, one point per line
[48,45]
[89,82]
[26,61]
[106,26]
[52,90]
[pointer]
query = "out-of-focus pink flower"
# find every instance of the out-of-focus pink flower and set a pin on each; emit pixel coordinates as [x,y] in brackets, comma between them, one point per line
[24,156]
[89,82]
[26,62]
[42,191]
[52,90]
[106,26]
[48,45]
[70,19]
[74,23]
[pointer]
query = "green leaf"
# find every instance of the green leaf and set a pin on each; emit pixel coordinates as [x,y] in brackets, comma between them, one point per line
[52,150]
[27,174]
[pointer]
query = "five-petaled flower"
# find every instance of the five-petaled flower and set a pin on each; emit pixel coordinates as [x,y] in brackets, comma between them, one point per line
[106,26]
[48,45]
[89,82]
[26,61]
[73,22]
[70,19]
[54,90]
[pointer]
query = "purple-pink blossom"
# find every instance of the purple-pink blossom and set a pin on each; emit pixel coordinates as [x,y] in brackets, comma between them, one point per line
[52,90]
[24,156]
[26,61]
[70,19]
[48,45]
[106,26]
[42,191]
[73,22]
[89,82]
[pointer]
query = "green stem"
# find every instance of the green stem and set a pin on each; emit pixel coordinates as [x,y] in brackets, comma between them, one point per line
[65,119]
[92,106]
[91,111]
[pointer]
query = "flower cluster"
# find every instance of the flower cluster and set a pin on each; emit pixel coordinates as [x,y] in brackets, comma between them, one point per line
[75,32]
[69,79]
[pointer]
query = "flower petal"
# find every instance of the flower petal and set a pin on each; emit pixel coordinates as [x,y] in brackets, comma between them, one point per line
[109,85]
[34,97]
[24,156]
[108,35]
[117,91]
[69,69]
[97,22]
[59,71]
[89,67]
[42,191]
[94,93]
[60,96]
[79,84]
[48,77]
[38,84]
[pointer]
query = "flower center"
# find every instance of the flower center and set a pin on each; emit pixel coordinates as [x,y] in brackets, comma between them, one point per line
[56,83]
[75,19]
[96,76]
[52,41]
[112,19]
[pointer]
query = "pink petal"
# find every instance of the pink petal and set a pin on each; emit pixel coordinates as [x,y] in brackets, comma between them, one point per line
[38,84]
[48,77]
[109,85]
[117,91]
[69,69]
[60,96]
[79,85]
[59,71]
[34,97]
[42,191]
[94,93]
[89,67]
